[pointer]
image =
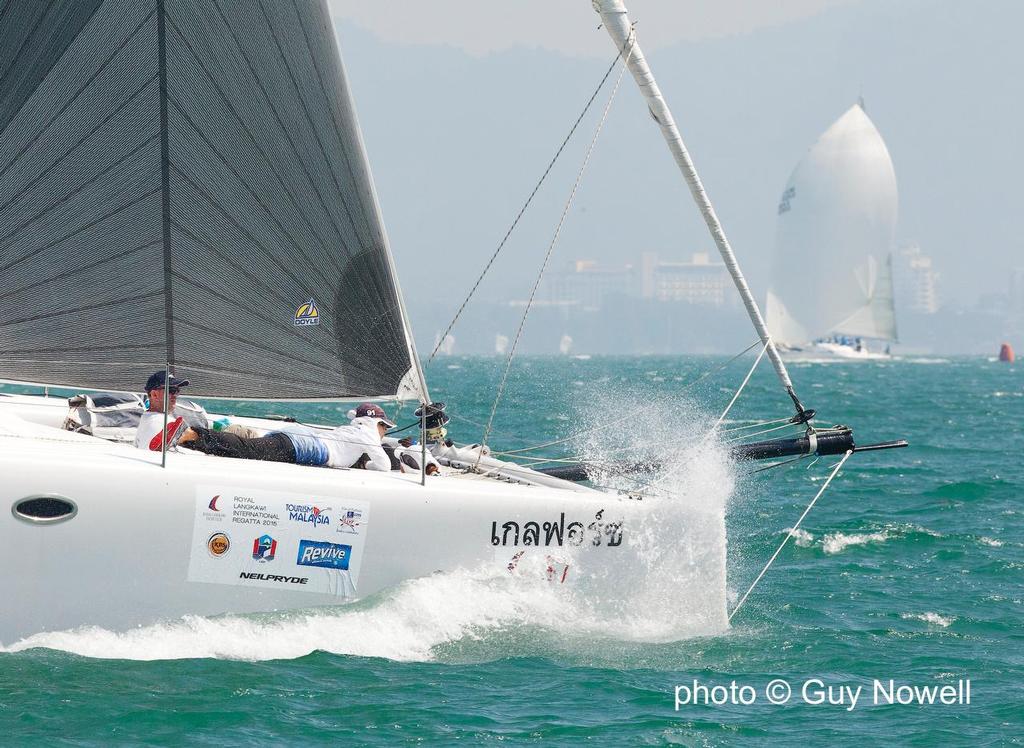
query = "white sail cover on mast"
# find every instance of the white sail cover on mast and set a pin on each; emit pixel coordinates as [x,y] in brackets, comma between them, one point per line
[831,272]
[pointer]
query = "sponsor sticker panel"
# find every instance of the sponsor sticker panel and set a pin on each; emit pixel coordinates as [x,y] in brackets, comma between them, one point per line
[282,541]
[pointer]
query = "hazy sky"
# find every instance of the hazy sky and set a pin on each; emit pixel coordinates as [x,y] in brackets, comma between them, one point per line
[463,102]
[482,27]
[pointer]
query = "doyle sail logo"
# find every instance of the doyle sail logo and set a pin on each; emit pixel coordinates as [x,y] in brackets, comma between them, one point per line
[307,314]
[308,514]
[263,548]
[323,555]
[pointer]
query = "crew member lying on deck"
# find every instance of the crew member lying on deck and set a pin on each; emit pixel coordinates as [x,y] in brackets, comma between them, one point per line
[356,445]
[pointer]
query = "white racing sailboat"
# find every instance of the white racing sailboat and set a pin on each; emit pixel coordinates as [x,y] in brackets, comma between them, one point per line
[183,187]
[832,288]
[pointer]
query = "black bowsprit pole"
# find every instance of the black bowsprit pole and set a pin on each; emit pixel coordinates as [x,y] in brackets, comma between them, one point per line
[821,443]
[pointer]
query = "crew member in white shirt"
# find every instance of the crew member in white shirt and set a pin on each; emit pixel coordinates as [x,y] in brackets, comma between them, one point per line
[150,434]
[357,444]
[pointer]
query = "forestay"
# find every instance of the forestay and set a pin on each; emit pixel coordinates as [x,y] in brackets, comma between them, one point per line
[184,181]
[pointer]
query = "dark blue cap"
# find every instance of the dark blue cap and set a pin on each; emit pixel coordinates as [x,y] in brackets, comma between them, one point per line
[158,378]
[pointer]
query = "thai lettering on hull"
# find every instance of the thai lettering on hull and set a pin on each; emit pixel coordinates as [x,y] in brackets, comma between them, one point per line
[557,533]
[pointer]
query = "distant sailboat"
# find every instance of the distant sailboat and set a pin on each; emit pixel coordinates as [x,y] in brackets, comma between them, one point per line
[500,344]
[831,286]
[565,345]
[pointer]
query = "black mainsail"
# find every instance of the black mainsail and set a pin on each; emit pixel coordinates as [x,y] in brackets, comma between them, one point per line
[184,181]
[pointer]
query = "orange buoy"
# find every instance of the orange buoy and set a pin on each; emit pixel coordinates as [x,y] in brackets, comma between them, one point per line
[1006,353]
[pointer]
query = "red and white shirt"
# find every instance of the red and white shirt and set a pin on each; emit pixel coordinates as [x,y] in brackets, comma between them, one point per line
[151,431]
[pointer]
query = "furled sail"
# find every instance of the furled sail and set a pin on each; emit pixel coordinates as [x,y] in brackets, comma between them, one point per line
[184,181]
[831,272]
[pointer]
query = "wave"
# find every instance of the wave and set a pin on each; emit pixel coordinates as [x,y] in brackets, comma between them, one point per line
[802,538]
[488,612]
[932,618]
[837,542]
[968,490]
[404,625]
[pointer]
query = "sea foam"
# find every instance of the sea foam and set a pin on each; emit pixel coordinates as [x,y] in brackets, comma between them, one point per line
[837,542]
[933,618]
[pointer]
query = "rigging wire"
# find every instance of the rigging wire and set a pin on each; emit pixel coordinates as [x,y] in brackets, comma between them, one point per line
[779,464]
[792,532]
[741,437]
[551,248]
[713,430]
[742,386]
[757,424]
[523,209]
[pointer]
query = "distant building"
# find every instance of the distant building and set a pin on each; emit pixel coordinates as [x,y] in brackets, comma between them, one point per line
[586,284]
[700,281]
[916,280]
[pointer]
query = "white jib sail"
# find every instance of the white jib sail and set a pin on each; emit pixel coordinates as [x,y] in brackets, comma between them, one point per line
[831,272]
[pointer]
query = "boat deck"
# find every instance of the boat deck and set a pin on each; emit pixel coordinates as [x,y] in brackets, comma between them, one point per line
[31,428]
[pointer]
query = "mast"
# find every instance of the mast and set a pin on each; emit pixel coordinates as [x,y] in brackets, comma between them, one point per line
[616,21]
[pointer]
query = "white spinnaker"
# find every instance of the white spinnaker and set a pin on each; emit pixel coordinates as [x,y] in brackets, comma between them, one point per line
[831,271]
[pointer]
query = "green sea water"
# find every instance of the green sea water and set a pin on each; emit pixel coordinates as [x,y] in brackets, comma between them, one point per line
[909,568]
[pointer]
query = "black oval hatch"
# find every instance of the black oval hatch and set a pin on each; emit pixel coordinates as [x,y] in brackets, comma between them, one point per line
[44,509]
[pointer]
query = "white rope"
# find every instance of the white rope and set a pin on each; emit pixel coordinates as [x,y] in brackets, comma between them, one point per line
[792,532]
[741,387]
[617,24]
[547,256]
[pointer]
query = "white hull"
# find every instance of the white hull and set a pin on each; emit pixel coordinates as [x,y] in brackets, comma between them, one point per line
[137,549]
[824,352]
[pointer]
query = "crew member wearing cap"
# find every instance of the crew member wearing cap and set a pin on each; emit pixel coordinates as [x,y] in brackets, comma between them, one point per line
[150,434]
[359,443]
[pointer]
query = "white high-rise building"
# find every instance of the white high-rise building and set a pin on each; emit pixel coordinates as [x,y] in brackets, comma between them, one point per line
[916,281]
